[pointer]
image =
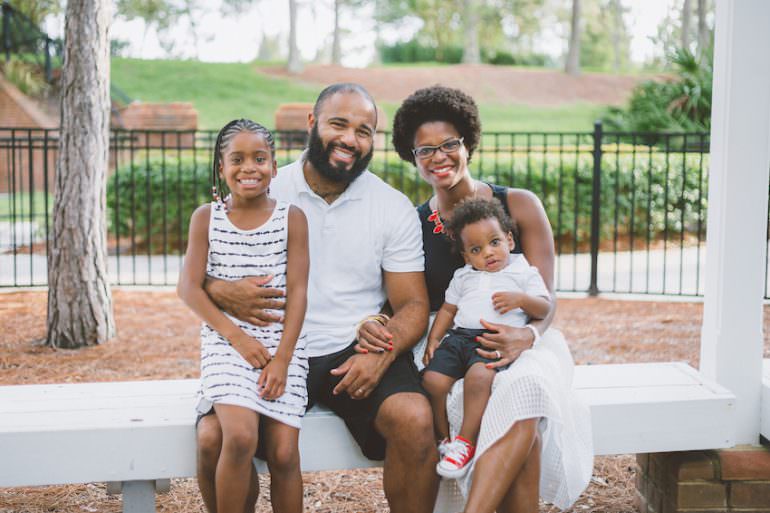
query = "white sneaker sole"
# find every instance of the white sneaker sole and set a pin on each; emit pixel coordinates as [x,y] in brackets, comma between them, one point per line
[452,473]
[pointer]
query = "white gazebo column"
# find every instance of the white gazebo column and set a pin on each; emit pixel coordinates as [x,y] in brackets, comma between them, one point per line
[731,337]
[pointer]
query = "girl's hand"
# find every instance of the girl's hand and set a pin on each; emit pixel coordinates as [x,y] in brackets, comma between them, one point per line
[508,341]
[251,349]
[429,350]
[504,302]
[272,380]
[373,337]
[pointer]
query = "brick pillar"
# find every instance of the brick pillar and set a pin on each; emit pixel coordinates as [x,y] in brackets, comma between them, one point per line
[727,480]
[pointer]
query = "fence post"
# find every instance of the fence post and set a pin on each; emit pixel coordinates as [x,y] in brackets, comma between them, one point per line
[596,199]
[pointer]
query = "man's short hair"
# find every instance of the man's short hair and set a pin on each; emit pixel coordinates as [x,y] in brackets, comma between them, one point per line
[343,87]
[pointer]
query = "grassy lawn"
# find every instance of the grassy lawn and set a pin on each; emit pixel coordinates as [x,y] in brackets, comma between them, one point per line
[220,91]
[26,205]
[223,91]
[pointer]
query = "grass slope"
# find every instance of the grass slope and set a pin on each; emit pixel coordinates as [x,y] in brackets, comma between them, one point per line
[223,91]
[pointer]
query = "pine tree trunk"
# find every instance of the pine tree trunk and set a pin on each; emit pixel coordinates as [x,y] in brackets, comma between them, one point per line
[686,15]
[471,51]
[572,64]
[336,50]
[79,299]
[617,16]
[704,38]
[295,63]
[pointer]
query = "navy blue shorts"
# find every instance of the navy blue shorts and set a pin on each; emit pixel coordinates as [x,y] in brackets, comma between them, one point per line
[457,352]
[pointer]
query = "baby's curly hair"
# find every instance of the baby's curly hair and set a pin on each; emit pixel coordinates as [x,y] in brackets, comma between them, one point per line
[436,103]
[473,210]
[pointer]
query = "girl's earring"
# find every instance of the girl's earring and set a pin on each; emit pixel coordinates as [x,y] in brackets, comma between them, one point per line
[214,194]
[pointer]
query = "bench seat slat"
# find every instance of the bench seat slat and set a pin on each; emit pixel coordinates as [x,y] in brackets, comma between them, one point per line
[55,434]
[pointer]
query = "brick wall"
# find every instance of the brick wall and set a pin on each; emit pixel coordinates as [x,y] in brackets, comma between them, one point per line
[729,480]
[17,110]
[158,116]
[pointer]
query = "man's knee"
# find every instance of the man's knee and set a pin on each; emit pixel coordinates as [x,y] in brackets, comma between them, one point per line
[406,420]
[209,437]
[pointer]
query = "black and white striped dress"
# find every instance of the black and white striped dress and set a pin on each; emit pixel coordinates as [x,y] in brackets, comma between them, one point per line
[226,377]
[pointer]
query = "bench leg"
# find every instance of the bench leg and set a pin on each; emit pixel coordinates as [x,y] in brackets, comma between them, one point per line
[139,496]
[450,499]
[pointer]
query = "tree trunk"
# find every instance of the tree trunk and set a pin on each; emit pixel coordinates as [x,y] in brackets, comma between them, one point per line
[617,15]
[79,299]
[572,64]
[704,37]
[295,63]
[686,15]
[471,52]
[336,51]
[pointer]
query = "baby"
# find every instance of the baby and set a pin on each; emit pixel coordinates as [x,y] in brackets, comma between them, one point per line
[494,285]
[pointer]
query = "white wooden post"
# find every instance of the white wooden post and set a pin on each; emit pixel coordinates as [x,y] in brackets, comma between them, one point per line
[731,336]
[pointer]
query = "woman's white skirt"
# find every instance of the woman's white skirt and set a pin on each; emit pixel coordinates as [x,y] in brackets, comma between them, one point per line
[538,385]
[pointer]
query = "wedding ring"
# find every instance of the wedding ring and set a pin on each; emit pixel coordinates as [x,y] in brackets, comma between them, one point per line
[499,356]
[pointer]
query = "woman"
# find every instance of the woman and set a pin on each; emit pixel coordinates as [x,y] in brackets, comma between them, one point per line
[535,436]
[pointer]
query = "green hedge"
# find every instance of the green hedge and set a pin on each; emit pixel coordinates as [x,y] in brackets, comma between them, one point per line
[664,196]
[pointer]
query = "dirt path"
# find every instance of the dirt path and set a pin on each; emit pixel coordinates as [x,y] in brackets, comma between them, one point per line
[486,83]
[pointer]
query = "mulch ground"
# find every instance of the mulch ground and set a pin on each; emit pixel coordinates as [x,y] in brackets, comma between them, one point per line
[501,84]
[158,339]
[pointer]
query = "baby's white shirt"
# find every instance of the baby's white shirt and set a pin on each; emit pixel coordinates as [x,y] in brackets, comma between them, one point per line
[471,291]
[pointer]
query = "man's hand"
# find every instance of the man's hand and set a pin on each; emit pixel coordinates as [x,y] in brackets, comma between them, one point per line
[250,348]
[247,299]
[362,373]
[503,343]
[504,302]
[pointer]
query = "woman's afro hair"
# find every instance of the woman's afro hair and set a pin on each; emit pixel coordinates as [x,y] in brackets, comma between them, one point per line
[436,103]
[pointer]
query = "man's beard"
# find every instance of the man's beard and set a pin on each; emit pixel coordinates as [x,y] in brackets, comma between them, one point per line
[319,157]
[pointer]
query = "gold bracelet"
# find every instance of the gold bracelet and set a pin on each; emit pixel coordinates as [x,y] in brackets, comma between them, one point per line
[379,318]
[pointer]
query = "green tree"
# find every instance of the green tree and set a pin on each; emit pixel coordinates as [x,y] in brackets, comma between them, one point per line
[37,10]
[157,14]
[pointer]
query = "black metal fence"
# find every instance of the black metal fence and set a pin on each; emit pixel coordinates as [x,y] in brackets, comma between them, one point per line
[628,210]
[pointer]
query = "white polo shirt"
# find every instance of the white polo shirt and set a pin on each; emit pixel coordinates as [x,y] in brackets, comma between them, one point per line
[369,229]
[471,291]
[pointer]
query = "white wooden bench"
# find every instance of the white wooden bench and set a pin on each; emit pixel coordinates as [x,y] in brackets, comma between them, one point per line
[138,435]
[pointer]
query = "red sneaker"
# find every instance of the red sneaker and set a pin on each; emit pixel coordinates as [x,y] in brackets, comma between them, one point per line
[458,454]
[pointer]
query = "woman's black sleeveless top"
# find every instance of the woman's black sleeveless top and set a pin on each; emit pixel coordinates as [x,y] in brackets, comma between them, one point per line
[441,259]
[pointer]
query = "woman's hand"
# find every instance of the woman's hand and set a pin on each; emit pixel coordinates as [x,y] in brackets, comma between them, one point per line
[272,379]
[504,343]
[373,336]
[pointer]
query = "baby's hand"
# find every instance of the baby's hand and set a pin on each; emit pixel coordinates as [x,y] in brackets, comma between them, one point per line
[251,349]
[272,380]
[506,301]
[429,350]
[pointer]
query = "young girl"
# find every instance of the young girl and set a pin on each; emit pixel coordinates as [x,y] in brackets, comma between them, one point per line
[494,285]
[252,376]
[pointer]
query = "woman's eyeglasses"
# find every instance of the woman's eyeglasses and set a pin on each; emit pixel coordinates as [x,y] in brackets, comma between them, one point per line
[426,152]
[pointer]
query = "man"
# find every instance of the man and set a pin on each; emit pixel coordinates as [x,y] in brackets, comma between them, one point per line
[365,249]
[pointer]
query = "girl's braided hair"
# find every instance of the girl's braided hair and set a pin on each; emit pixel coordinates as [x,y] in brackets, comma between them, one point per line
[224,138]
